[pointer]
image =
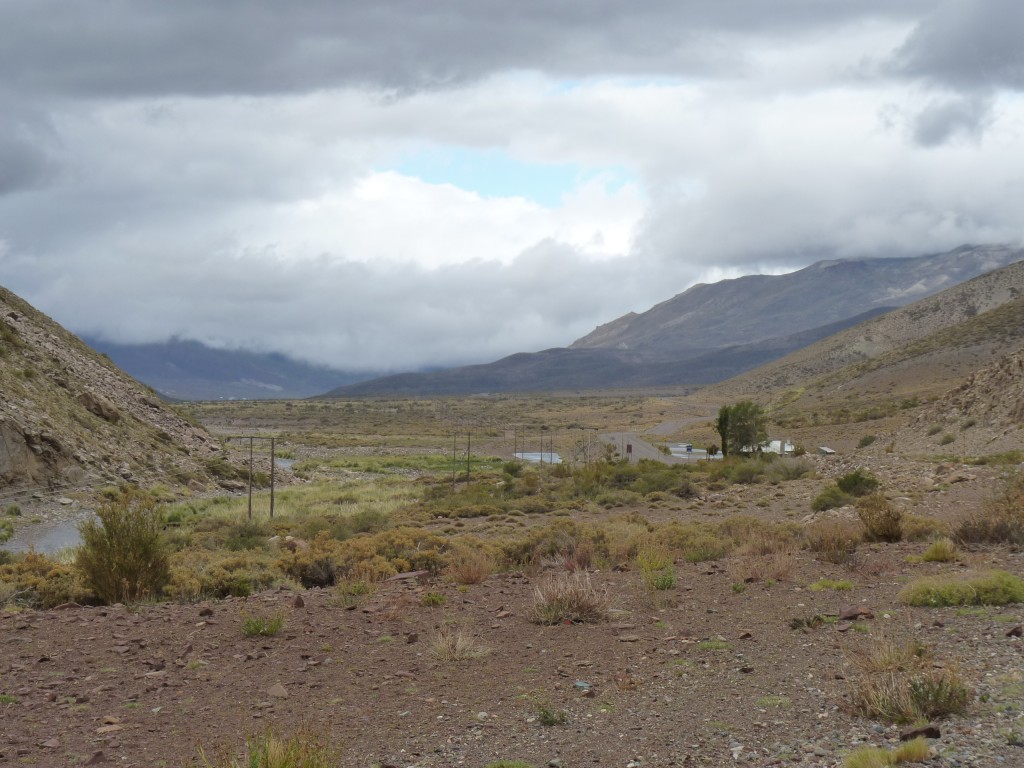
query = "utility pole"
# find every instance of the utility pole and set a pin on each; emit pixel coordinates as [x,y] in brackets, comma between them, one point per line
[250,476]
[469,451]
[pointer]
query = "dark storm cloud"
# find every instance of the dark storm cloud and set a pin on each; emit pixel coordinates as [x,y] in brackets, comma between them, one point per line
[153,47]
[965,117]
[968,46]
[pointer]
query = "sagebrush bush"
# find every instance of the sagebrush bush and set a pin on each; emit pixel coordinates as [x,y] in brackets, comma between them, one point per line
[470,565]
[123,557]
[859,482]
[831,497]
[657,567]
[883,521]
[992,588]
[32,579]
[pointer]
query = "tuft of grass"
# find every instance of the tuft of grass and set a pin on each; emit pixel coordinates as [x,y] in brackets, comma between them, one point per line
[991,588]
[432,599]
[915,751]
[713,645]
[568,599]
[947,438]
[262,626]
[657,567]
[352,592]
[866,441]
[6,698]
[455,643]
[940,551]
[897,682]
[470,566]
[840,585]
[303,749]
[548,717]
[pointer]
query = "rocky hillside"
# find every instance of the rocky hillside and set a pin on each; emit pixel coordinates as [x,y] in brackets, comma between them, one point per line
[921,350]
[984,415]
[69,417]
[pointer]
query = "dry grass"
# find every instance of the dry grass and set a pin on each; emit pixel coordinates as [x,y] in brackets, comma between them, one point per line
[455,643]
[470,566]
[568,598]
[1000,520]
[897,682]
[992,588]
[304,749]
[835,541]
[746,568]
[882,520]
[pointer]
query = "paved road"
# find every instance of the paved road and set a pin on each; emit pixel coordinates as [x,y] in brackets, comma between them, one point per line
[673,426]
[641,448]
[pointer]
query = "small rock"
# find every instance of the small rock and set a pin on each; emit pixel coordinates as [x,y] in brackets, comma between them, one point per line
[207,611]
[96,759]
[412,637]
[746,635]
[53,743]
[298,602]
[854,612]
[109,729]
[629,638]
[928,731]
[277,691]
[1017,631]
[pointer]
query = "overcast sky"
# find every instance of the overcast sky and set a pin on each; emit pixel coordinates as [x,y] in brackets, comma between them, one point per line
[395,184]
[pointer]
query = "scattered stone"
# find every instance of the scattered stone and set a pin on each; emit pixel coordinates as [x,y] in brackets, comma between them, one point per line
[629,638]
[109,729]
[96,759]
[277,691]
[746,636]
[854,612]
[412,637]
[1017,631]
[53,743]
[928,731]
[207,611]
[298,602]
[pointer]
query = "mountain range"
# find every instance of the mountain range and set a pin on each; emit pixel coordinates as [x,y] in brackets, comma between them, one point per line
[713,332]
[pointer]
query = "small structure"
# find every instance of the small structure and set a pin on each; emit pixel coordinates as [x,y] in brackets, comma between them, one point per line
[823,451]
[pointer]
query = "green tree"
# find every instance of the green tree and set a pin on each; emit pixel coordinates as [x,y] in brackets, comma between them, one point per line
[722,428]
[743,425]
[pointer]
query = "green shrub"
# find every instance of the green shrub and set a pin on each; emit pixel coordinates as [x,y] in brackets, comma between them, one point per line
[123,557]
[6,531]
[992,588]
[860,482]
[657,567]
[13,510]
[262,626]
[32,579]
[831,496]
[947,438]
[882,520]
[866,441]
[934,430]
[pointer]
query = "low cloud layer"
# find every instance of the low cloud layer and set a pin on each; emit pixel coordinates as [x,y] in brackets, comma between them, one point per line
[233,172]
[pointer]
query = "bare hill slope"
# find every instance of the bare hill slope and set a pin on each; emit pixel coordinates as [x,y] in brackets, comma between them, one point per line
[926,347]
[69,416]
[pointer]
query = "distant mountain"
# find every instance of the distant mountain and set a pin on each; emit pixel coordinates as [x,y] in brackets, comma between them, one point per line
[713,332]
[189,370]
[69,416]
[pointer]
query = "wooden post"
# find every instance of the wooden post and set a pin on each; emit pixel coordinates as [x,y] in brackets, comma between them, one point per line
[455,436]
[469,451]
[272,463]
[250,477]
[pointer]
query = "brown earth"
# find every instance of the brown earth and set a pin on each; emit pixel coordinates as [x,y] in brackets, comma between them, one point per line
[708,673]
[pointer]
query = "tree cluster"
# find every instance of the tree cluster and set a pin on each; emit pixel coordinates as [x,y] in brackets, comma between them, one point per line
[743,427]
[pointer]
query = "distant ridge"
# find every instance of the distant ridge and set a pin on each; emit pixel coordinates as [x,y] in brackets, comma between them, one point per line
[712,332]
